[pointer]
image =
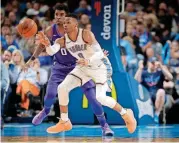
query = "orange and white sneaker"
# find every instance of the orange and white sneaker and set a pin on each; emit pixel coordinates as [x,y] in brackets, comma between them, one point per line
[130,121]
[61,126]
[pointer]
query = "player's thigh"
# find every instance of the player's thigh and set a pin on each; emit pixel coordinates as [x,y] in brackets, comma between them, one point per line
[80,73]
[99,75]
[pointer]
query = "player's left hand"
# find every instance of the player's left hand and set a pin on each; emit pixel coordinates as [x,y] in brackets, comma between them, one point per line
[106,53]
[41,38]
[83,62]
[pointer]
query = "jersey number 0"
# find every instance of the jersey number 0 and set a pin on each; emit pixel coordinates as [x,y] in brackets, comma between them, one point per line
[63,51]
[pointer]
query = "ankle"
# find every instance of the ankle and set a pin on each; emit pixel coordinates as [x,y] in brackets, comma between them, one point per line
[123,111]
[47,110]
[64,116]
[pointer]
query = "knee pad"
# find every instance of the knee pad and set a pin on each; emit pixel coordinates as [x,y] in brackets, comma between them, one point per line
[106,101]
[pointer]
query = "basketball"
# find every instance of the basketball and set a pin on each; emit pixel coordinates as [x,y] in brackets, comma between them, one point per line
[27,28]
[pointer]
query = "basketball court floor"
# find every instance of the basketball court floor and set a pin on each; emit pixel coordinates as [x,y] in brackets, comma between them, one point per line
[79,133]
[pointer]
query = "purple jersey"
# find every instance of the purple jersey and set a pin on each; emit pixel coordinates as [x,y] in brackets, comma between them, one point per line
[62,56]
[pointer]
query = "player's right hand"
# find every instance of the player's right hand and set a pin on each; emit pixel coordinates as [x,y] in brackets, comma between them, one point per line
[41,38]
[141,64]
[26,66]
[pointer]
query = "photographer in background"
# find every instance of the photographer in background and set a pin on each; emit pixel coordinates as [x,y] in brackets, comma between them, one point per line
[152,78]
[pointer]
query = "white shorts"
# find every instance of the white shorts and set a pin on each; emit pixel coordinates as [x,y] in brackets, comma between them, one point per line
[100,74]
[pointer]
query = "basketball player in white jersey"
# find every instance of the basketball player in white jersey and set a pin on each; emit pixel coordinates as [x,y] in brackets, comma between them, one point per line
[91,64]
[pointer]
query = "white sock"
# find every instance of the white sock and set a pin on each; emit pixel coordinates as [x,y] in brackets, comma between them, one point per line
[123,111]
[64,116]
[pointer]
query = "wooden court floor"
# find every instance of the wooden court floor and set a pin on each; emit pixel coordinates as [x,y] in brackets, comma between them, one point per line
[30,133]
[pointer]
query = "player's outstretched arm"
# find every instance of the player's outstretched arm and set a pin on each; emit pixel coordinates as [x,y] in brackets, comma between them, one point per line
[90,39]
[41,38]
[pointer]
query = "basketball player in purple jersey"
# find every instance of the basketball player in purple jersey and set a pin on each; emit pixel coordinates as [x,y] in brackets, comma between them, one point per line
[63,64]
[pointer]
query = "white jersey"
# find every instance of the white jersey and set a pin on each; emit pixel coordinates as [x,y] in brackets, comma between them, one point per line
[79,48]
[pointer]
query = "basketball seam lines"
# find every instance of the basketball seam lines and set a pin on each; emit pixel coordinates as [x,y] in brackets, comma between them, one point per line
[28,30]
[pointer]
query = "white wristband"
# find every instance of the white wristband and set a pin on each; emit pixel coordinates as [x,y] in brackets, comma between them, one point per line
[53,49]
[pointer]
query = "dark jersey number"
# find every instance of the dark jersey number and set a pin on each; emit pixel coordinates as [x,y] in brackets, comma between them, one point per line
[81,55]
[63,51]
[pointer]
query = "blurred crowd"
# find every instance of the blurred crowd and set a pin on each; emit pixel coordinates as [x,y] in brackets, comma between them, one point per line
[23,91]
[151,32]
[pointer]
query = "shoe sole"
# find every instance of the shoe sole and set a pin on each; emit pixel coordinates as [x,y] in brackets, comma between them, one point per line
[109,135]
[58,132]
[135,122]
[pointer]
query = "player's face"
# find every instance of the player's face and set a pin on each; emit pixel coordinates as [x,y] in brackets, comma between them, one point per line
[69,24]
[60,16]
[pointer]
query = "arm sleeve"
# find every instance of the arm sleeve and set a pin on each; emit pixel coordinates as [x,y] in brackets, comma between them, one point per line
[98,55]
[53,49]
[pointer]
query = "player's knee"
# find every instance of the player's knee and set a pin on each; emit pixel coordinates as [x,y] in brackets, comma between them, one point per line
[100,99]
[63,94]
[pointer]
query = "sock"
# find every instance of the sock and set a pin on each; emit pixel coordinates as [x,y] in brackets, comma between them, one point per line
[102,120]
[47,110]
[64,116]
[95,105]
[123,111]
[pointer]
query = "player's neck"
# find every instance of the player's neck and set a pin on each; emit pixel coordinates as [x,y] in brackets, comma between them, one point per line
[60,28]
[73,35]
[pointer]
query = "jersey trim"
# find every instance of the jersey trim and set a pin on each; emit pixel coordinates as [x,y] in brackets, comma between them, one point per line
[76,36]
[76,77]
[83,37]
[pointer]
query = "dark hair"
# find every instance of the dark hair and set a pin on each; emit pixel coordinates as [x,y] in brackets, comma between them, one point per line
[61,7]
[131,2]
[139,23]
[72,16]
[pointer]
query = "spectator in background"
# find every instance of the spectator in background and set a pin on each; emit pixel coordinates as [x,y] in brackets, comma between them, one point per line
[83,8]
[88,26]
[7,22]
[2,18]
[156,45]
[6,57]
[4,86]
[29,83]
[130,9]
[143,36]
[10,40]
[15,66]
[12,17]
[84,20]
[165,24]
[123,57]
[131,57]
[36,6]
[152,78]
[175,19]
[174,62]
[175,51]
[5,30]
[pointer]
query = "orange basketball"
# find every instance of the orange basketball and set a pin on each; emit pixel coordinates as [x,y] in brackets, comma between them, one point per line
[27,28]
